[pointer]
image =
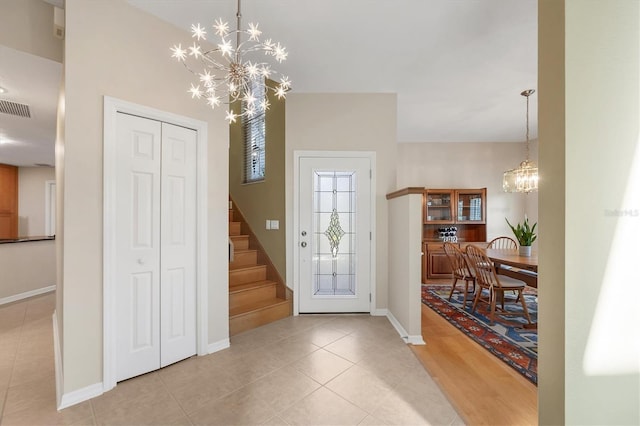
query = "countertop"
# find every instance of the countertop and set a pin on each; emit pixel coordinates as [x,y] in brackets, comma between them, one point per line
[26,239]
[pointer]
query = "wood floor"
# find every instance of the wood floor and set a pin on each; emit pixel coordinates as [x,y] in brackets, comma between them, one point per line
[483,389]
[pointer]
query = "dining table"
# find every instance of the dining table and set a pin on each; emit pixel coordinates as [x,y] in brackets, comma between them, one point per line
[509,262]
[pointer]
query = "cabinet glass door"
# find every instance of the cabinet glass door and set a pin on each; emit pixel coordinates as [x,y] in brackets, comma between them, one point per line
[470,207]
[439,206]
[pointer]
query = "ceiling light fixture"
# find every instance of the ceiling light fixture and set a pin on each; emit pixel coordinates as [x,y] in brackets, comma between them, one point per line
[3,90]
[524,178]
[229,74]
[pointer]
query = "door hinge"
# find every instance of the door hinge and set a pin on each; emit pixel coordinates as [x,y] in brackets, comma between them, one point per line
[370,236]
[369,297]
[370,174]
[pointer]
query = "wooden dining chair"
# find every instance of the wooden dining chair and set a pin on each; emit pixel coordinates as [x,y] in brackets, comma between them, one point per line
[496,285]
[460,271]
[503,243]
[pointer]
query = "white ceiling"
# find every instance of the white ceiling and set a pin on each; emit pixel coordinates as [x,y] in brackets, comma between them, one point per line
[457,66]
[34,81]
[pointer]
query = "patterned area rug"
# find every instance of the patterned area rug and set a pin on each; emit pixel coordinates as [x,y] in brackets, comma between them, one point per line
[506,339]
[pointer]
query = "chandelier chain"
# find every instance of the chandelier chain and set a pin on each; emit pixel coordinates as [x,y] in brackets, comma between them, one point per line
[238,33]
[527,124]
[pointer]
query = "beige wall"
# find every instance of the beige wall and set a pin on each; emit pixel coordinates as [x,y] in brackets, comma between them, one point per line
[27,25]
[113,49]
[602,98]
[59,158]
[346,122]
[405,262]
[551,282]
[470,165]
[263,200]
[31,199]
[17,265]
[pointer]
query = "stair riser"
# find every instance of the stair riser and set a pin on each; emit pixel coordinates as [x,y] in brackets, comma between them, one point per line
[244,259]
[251,296]
[258,318]
[247,276]
[230,215]
[234,228]
[240,242]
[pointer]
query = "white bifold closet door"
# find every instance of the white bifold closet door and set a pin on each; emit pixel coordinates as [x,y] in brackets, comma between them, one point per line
[156,245]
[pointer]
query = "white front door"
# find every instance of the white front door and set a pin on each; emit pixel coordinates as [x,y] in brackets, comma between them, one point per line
[334,235]
[155,242]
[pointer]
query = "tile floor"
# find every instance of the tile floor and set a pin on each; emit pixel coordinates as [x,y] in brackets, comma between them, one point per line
[306,370]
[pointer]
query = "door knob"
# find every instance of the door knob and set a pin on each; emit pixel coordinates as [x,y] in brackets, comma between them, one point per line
[303,244]
[304,233]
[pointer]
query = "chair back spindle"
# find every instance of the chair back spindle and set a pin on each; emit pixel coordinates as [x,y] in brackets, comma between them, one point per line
[503,243]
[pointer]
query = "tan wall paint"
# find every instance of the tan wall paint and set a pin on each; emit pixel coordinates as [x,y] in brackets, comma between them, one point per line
[116,50]
[17,265]
[602,69]
[31,199]
[27,25]
[405,262]
[551,283]
[263,200]
[59,158]
[469,165]
[346,122]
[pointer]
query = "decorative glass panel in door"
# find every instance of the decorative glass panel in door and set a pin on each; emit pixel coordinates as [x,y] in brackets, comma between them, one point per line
[333,254]
[334,217]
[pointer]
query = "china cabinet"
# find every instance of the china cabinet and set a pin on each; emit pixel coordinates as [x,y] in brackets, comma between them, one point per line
[454,215]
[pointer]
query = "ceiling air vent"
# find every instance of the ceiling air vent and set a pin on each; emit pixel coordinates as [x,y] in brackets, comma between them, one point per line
[14,108]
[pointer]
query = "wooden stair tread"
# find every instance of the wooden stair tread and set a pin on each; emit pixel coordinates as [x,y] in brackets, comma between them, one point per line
[240,251]
[256,306]
[254,299]
[248,268]
[250,286]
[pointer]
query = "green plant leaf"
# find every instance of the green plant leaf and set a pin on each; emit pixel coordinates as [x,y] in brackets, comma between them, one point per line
[524,233]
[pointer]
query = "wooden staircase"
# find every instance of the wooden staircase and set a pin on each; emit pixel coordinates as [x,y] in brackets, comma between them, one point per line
[257,294]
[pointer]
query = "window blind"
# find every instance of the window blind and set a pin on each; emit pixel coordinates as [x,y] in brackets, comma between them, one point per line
[254,139]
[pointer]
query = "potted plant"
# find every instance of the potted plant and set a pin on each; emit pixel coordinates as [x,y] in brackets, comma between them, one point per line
[525,235]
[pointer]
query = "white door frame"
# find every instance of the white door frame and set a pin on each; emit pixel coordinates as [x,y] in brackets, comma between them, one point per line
[49,207]
[112,107]
[296,217]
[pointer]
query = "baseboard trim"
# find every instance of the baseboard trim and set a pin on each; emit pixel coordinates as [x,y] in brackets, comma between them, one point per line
[408,338]
[72,398]
[415,340]
[380,312]
[27,294]
[57,357]
[80,395]
[218,346]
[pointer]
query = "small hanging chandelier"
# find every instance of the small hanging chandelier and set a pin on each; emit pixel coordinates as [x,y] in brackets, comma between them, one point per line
[233,74]
[524,178]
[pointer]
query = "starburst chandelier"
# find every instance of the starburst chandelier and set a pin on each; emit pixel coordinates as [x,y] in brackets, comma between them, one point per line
[227,74]
[524,178]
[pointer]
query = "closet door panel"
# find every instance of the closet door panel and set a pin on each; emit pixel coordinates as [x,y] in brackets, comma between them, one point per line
[138,246]
[178,245]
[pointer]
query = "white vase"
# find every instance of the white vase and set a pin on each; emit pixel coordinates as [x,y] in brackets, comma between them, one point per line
[525,250]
